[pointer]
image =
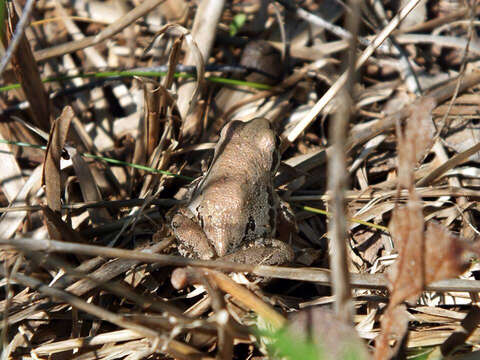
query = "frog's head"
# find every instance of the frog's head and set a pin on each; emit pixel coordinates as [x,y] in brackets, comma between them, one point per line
[261,133]
[256,139]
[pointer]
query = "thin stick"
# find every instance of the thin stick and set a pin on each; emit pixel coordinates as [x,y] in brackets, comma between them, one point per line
[320,22]
[317,275]
[17,36]
[246,297]
[337,184]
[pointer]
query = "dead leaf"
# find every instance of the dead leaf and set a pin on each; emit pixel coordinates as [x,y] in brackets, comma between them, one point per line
[51,168]
[26,72]
[423,258]
[415,139]
[393,328]
[406,274]
[463,134]
[445,254]
[11,179]
[11,221]
[188,98]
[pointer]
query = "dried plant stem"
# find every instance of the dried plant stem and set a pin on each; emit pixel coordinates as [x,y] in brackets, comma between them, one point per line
[337,175]
[359,195]
[406,70]
[316,20]
[203,32]
[443,41]
[246,297]
[317,275]
[101,339]
[434,23]
[338,225]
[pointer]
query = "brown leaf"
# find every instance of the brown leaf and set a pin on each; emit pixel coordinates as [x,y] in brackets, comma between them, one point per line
[445,254]
[415,139]
[51,167]
[423,258]
[393,328]
[406,274]
[26,72]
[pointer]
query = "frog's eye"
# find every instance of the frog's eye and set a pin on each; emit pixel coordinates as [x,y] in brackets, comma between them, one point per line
[278,141]
[276,155]
[277,138]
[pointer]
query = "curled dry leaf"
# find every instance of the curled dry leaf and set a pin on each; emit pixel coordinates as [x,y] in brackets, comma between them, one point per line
[159,102]
[196,54]
[394,326]
[199,46]
[26,71]
[423,258]
[446,255]
[415,139]
[51,167]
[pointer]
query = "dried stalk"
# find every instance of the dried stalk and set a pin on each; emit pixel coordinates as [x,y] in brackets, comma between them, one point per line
[317,275]
[337,174]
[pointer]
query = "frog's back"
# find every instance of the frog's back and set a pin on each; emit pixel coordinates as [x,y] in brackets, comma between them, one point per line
[234,201]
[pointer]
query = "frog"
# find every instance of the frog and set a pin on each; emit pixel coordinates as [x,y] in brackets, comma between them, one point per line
[232,211]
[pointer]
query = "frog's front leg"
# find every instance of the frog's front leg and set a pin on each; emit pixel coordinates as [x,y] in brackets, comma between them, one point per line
[275,252]
[192,241]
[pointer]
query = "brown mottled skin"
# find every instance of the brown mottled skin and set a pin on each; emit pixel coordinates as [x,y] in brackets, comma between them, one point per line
[233,210]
